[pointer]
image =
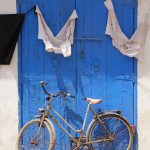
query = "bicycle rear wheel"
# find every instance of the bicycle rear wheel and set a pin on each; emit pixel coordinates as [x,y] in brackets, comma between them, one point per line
[116,132]
[35,137]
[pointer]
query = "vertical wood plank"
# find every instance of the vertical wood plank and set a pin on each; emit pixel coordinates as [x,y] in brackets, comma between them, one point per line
[91,71]
[68,76]
[25,70]
[114,57]
[99,56]
[35,62]
[84,64]
[52,61]
[128,70]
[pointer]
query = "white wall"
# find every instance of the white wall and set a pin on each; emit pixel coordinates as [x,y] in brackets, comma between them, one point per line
[9,89]
[8,92]
[144,84]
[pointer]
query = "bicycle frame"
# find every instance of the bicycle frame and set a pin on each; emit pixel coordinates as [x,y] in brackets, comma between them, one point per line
[81,131]
[78,142]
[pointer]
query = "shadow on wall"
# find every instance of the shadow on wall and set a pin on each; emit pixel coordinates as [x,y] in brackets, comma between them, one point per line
[74,120]
[10,71]
[144,71]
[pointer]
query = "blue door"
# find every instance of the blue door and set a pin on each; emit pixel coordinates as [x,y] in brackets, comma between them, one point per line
[95,68]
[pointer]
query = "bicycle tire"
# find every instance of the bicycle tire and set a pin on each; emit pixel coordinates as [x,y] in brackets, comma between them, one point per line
[102,145]
[45,125]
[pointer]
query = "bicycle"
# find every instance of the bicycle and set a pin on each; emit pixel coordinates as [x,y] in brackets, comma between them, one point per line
[107,131]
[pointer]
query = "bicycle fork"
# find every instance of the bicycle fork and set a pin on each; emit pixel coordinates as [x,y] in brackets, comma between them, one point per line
[35,140]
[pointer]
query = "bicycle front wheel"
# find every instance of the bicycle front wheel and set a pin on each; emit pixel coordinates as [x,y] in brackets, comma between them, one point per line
[34,136]
[114,134]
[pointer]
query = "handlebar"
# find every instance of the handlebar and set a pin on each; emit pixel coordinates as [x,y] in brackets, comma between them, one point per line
[63,94]
[44,89]
[43,83]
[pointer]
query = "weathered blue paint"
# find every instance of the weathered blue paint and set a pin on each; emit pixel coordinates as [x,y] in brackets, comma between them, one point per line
[95,68]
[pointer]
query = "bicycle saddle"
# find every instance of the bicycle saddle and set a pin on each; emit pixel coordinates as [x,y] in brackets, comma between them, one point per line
[92,101]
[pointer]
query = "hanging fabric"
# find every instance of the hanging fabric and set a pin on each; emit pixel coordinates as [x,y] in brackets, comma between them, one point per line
[130,47]
[61,43]
[10,26]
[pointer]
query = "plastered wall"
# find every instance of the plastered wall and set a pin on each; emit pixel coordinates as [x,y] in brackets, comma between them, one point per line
[144,83]
[8,92]
[9,89]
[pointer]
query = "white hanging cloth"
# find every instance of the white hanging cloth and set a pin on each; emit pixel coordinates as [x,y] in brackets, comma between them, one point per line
[130,47]
[61,43]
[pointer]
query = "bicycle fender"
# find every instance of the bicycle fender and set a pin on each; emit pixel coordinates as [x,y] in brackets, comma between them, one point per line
[112,111]
[117,113]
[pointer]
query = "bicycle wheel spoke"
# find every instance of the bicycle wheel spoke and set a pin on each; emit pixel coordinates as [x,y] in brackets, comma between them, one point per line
[122,132]
[108,147]
[100,137]
[117,128]
[100,131]
[117,139]
[35,137]
[115,122]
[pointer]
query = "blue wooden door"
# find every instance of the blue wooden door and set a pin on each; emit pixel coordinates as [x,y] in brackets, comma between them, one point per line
[95,68]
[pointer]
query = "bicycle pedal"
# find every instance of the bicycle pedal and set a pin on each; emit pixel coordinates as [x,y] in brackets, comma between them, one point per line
[37,116]
[85,147]
[41,110]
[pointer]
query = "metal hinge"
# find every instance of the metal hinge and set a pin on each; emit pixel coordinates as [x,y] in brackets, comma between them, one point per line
[126,78]
[88,38]
[132,3]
